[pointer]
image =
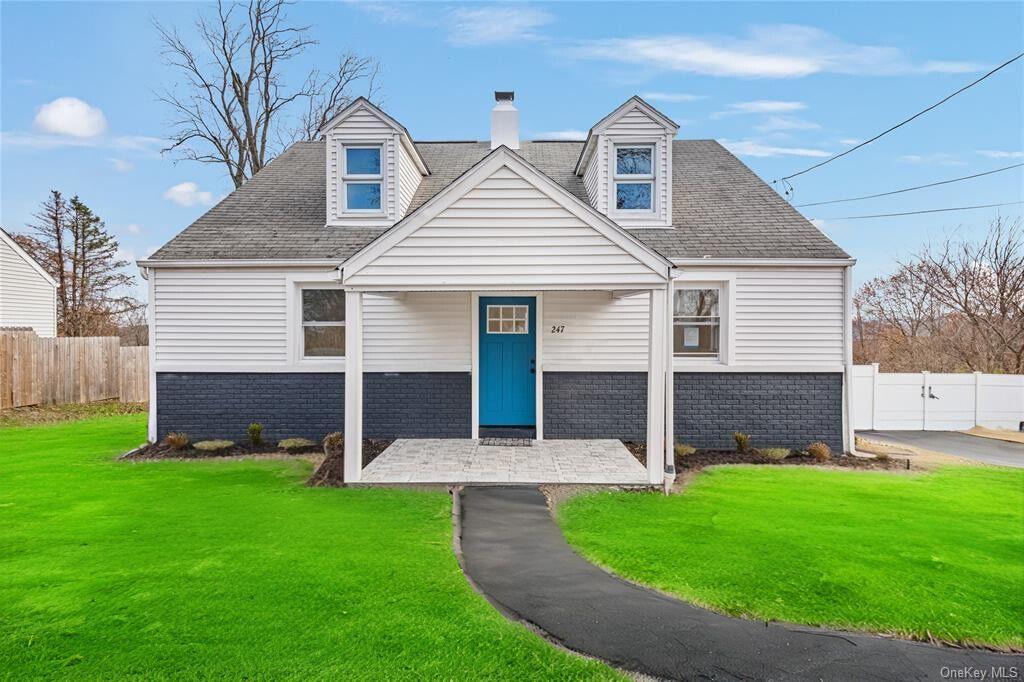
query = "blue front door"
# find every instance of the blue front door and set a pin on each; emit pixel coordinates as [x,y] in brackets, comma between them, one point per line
[508,333]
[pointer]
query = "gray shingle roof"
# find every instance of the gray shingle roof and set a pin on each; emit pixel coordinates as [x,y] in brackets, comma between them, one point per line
[719,207]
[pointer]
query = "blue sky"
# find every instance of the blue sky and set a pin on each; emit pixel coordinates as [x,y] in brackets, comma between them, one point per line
[782,84]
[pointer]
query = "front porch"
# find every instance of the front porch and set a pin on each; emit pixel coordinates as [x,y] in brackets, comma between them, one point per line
[605,462]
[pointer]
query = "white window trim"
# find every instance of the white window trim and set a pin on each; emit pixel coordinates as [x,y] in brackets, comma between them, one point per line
[294,336]
[725,282]
[501,319]
[346,179]
[706,321]
[651,178]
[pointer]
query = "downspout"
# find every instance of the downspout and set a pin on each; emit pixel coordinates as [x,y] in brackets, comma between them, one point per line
[849,440]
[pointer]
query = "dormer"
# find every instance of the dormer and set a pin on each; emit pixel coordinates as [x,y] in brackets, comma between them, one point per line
[373,167]
[626,165]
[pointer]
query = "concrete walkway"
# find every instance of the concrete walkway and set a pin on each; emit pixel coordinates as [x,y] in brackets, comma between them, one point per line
[515,553]
[987,450]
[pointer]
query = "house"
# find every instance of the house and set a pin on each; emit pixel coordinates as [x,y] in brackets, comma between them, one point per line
[28,295]
[631,286]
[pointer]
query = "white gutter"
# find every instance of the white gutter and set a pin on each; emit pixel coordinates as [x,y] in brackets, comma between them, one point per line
[802,262]
[241,263]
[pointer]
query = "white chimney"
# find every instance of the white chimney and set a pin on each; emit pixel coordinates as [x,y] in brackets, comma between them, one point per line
[504,121]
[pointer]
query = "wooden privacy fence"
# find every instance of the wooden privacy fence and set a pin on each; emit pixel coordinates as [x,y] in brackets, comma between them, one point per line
[35,371]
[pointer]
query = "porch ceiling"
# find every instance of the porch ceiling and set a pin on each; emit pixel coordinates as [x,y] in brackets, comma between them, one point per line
[466,461]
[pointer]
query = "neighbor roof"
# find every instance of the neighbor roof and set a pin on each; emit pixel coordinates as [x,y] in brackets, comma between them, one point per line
[720,208]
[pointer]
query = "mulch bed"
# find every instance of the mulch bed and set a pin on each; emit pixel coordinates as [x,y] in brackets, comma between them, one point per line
[706,458]
[371,449]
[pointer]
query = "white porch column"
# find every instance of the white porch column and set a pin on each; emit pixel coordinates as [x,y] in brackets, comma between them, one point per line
[656,388]
[353,386]
[670,435]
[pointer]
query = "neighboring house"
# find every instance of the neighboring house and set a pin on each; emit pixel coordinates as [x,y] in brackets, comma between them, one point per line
[369,283]
[28,295]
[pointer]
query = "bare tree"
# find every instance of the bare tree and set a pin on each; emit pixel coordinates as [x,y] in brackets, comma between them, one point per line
[955,306]
[236,108]
[73,246]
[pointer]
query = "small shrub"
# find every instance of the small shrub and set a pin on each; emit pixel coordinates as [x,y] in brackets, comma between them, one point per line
[684,450]
[178,440]
[295,444]
[213,445]
[742,441]
[255,433]
[777,454]
[819,451]
[333,442]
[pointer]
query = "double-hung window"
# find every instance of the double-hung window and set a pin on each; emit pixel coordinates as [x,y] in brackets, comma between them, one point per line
[696,323]
[362,178]
[634,178]
[323,323]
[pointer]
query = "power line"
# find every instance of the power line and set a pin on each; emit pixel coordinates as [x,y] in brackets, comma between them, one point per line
[910,189]
[933,210]
[901,123]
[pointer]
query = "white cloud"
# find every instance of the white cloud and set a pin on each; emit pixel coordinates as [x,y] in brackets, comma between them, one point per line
[562,135]
[1000,154]
[70,116]
[672,97]
[937,159]
[778,123]
[760,149]
[133,228]
[38,141]
[764,51]
[188,194]
[762,106]
[850,141]
[819,223]
[492,25]
[122,166]
[138,143]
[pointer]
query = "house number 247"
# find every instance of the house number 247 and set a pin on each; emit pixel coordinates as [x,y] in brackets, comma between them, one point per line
[557,328]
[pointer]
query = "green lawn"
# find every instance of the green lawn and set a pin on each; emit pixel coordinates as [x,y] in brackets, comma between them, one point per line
[940,553]
[233,569]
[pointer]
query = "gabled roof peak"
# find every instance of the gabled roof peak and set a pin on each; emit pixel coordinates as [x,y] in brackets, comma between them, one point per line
[362,102]
[634,102]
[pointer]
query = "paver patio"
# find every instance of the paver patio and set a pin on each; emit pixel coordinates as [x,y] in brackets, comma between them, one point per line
[466,461]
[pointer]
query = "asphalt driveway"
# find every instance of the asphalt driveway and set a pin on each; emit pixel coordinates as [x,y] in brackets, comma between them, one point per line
[987,450]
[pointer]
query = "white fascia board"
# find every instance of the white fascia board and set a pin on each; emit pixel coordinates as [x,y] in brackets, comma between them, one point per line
[802,262]
[7,239]
[241,263]
[503,156]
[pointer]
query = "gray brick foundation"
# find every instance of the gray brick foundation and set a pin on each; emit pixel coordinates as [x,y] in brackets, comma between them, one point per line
[595,405]
[312,404]
[417,405]
[222,404]
[778,410]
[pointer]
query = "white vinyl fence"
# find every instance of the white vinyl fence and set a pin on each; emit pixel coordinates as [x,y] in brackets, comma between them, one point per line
[935,402]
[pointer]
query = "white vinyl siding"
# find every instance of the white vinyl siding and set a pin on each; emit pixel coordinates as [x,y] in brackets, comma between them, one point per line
[27,298]
[361,127]
[408,180]
[503,231]
[789,316]
[598,332]
[595,179]
[219,318]
[419,332]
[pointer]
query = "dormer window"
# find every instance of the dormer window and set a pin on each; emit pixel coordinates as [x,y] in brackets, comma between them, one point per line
[634,178]
[362,178]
